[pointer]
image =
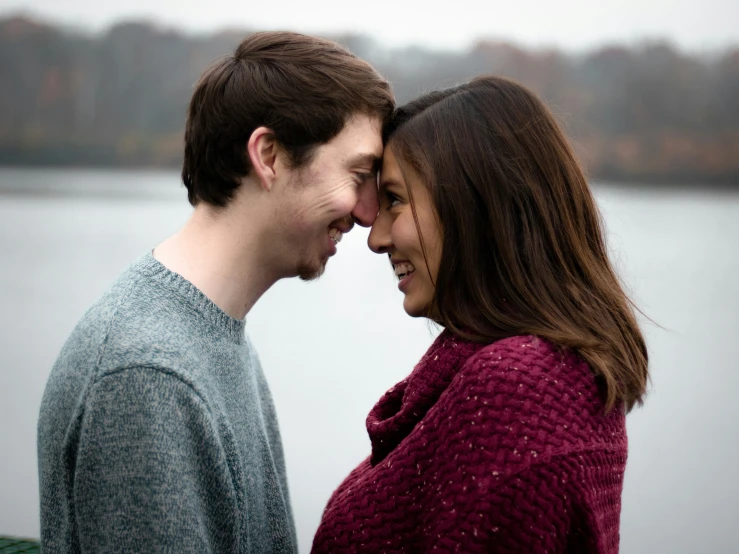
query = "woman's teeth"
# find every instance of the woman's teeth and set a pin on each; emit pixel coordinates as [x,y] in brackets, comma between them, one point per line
[335,235]
[404,268]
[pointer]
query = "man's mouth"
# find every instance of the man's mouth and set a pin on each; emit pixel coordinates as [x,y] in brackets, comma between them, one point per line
[403,269]
[335,235]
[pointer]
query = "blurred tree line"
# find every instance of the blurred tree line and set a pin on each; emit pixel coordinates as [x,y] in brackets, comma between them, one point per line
[648,113]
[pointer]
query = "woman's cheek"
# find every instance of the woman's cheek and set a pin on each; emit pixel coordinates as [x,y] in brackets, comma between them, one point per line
[405,237]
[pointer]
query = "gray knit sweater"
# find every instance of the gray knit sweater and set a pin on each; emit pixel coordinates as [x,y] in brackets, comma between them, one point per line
[157,430]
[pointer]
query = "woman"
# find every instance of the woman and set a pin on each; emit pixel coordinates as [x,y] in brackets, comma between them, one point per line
[509,435]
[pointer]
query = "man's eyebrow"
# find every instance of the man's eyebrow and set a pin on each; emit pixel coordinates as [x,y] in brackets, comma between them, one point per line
[366,160]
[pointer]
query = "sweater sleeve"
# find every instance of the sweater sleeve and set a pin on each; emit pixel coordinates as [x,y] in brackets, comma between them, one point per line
[151,474]
[538,510]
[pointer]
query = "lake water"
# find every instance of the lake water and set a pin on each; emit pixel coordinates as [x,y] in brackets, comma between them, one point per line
[331,348]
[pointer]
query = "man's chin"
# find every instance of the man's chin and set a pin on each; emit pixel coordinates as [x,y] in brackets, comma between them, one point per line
[312,272]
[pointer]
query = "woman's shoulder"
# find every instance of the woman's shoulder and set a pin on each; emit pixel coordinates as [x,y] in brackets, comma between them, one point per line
[522,401]
[531,386]
[532,364]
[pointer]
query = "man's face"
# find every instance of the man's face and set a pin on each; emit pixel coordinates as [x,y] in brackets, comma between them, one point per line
[336,189]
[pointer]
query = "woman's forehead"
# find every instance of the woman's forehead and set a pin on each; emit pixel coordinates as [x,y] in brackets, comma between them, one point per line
[390,172]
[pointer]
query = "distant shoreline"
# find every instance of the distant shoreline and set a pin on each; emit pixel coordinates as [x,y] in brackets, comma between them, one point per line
[164,183]
[613,174]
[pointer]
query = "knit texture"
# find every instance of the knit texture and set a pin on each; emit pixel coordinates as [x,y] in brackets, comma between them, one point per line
[157,430]
[499,448]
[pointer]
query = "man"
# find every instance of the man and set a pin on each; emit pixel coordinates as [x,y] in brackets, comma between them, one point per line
[157,432]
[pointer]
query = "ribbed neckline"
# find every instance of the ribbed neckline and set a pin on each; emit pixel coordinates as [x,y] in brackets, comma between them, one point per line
[152,268]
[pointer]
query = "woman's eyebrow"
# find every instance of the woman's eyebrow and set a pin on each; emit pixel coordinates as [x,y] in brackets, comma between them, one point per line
[386,182]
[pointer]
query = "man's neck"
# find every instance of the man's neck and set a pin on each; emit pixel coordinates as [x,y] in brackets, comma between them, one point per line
[220,257]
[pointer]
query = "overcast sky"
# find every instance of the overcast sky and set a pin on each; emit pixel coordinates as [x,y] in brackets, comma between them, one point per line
[569,24]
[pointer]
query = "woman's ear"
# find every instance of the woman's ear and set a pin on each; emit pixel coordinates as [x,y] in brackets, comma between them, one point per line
[263,149]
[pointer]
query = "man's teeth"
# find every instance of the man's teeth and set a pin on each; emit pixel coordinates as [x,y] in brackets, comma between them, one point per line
[335,235]
[404,268]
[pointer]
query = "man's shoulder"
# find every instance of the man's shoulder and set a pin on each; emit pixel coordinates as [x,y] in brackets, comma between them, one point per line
[83,345]
[135,322]
[145,321]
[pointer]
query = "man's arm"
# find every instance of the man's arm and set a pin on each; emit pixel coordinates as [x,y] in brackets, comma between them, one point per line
[151,474]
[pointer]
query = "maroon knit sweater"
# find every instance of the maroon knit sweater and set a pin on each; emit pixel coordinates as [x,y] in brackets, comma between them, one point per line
[497,448]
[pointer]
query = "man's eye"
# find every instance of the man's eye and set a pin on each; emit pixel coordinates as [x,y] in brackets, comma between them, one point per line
[362,178]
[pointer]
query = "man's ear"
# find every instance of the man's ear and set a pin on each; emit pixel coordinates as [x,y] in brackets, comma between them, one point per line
[263,149]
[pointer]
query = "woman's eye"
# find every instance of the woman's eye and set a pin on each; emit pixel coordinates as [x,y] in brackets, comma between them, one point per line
[392,200]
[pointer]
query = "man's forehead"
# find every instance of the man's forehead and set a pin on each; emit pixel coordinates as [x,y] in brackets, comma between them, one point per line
[367,131]
[359,144]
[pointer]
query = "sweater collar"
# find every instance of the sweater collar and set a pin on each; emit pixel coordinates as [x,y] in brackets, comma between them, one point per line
[152,268]
[406,404]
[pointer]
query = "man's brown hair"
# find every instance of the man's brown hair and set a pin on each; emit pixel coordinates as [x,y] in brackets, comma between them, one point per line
[523,250]
[303,88]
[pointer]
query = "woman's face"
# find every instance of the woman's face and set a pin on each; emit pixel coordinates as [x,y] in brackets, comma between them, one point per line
[395,233]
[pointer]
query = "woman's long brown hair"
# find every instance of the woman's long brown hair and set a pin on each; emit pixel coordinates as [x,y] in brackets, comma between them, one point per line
[523,250]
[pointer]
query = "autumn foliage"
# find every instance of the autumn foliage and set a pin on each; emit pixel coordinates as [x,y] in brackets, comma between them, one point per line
[644,113]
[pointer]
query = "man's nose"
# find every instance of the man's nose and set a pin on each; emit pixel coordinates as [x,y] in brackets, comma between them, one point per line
[365,211]
[379,238]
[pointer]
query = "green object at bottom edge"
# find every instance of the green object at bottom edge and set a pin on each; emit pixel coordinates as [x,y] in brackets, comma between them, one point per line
[15,545]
